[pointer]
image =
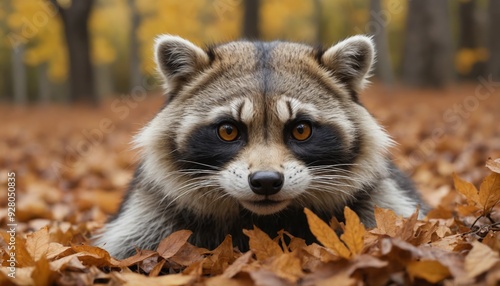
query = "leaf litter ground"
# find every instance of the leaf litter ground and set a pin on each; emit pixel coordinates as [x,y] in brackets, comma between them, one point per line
[72,166]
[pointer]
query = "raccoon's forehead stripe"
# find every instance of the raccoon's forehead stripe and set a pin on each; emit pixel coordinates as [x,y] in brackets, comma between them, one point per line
[288,108]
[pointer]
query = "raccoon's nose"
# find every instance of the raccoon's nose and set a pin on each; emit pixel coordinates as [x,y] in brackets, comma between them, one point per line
[266,182]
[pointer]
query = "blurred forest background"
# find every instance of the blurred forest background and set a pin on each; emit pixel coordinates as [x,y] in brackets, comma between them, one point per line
[76,50]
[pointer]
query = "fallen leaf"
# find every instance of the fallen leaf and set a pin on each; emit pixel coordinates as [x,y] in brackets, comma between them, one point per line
[138,257]
[354,232]
[93,255]
[480,259]
[37,243]
[42,274]
[170,245]
[493,165]
[489,193]
[467,189]
[430,270]
[167,280]
[287,266]
[261,244]
[239,265]
[386,222]
[326,235]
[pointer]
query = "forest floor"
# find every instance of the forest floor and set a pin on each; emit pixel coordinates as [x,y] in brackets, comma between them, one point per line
[72,166]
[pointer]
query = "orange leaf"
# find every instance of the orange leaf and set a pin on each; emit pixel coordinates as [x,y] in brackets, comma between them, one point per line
[489,192]
[42,274]
[467,189]
[261,244]
[480,259]
[493,165]
[170,245]
[37,243]
[138,257]
[326,235]
[288,266]
[430,270]
[92,255]
[354,232]
[386,221]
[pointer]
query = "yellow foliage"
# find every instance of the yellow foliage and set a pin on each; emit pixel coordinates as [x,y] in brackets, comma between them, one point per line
[291,20]
[466,58]
[200,21]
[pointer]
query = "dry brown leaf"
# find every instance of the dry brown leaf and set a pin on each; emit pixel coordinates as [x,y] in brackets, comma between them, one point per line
[37,243]
[287,266]
[326,235]
[480,259]
[386,222]
[489,193]
[166,280]
[189,254]
[42,274]
[493,165]
[341,279]
[354,232]
[407,232]
[239,265]
[57,250]
[68,262]
[222,256]
[261,244]
[430,270]
[467,189]
[157,269]
[92,255]
[138,257]
[170,245]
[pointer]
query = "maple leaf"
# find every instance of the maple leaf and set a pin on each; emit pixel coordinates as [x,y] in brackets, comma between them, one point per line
[354,232]
[261,244]
[489,193]
[326,235]
[467,189]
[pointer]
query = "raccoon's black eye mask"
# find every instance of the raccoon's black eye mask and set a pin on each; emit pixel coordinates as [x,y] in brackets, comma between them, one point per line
[214,145]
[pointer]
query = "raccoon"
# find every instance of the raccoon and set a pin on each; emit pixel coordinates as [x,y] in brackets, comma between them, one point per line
[251,134]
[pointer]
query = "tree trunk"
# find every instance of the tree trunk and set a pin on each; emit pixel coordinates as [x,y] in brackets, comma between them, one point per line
[383,67]
[75,20]
[44,87]
[427,58]
[494,39]
[19,75]
[468,40]
[135,64]
[251,19]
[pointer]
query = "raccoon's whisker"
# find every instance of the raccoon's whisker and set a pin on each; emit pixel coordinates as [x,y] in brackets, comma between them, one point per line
[332,184]
[202,164]
[334,177]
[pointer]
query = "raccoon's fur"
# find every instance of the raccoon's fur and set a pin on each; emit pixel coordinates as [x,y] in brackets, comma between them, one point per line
[252,133]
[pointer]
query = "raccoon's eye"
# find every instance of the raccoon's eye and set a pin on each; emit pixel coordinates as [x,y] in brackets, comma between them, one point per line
[228,132]
[301,131]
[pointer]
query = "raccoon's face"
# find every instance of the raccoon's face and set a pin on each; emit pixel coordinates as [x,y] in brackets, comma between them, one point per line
[262,125]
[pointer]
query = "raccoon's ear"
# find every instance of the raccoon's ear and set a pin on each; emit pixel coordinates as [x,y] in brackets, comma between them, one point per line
[178,60]
[351,61]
